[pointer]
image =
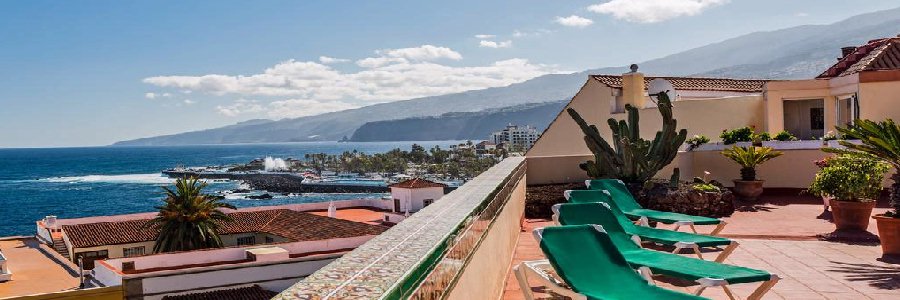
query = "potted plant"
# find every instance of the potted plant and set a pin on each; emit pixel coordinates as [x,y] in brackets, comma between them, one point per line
[882,141]
[748,188]
[852,184]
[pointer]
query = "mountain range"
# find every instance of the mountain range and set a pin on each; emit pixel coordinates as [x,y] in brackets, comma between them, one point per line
[795,52]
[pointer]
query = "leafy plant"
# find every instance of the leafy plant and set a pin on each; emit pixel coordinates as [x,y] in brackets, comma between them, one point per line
[784,136]
[850,178]
[188,219]
[696,141]
[743,134]
[829,136]
[761,137]
[630,157]
[880,140]
[705,187]
[750,157]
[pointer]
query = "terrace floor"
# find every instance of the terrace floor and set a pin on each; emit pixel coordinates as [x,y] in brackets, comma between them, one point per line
[35,269]
[778,237]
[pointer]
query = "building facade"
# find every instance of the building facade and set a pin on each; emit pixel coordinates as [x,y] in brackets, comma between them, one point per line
[515,137]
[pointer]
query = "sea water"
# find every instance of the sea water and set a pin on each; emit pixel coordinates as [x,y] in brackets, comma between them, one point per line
[97,181]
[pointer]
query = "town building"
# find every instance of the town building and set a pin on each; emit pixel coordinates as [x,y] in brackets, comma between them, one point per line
[861,85]
[412,195]
[515,137]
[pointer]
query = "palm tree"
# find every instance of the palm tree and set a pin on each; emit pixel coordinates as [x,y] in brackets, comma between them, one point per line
[880,140]
[188,219]
[749,158]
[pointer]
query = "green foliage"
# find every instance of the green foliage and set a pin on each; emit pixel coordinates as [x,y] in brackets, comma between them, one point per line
[762,137]
[850,178]
[188,219]
[630,157]
[784,136]
[696,141]
[705,187]
[750,157]
[829,136]
[880,140]
[674,179]
[466,163]
[743,134]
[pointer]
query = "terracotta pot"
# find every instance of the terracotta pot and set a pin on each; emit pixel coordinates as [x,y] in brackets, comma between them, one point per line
[889,233]
[748,190]
[851,215]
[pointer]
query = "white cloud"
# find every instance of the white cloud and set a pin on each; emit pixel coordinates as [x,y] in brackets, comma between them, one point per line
[295,108]
[484,36]
[493,44]
[150,95]
[189,101]
[240,106]
[574,21]
[392,75]
[331,60]
[801,14]
[653,11]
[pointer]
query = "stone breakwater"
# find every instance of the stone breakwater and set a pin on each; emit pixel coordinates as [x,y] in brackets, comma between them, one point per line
[279,182]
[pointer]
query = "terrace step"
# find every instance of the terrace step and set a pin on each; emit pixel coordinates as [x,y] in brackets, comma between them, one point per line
[61,248]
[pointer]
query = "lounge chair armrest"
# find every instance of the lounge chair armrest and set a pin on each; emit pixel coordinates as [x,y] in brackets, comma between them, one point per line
[684,223]
[711,282]
[539,268]
[685,245]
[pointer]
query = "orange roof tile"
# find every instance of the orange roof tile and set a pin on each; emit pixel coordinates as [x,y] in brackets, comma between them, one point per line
[880,54]
[293,225]
[694,83]
[417,183]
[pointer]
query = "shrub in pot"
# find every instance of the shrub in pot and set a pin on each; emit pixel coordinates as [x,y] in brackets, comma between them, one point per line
[748,188]
[880,140]
[852,184]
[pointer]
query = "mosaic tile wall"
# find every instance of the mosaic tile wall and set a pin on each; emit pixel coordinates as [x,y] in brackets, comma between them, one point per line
[379,266]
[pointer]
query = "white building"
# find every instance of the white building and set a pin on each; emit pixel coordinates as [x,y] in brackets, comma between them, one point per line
[412,195]
[514,136]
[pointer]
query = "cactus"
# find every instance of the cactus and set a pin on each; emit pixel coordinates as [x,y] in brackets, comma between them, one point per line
[630,157]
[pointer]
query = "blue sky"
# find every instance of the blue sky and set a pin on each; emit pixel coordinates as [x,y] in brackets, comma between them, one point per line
[76,73]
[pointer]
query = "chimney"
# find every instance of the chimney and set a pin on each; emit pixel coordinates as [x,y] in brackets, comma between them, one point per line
[633,88]
[847,51]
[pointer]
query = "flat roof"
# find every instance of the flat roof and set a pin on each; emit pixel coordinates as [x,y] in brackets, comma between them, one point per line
[35,269]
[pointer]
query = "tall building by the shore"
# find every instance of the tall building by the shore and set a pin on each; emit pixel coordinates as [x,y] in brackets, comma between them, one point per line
[515,137]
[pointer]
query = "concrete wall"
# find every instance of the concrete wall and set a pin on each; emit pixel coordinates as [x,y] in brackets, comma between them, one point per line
[879,101]
[485,275]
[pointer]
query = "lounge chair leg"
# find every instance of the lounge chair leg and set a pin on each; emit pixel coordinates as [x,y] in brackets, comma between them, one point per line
[523,281]
[697,291]
[697,251]
[728,250]
[647,274]
[694,229]
[718,228]
[676,227]
[764,288]
[728,292]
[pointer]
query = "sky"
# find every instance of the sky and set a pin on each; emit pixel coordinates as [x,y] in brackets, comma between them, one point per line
[87,73]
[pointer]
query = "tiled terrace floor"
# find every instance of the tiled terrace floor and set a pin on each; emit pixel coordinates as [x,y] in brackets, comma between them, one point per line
[779,239]
[35,269]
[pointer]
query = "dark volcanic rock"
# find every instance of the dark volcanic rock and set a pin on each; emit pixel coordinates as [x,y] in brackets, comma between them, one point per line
[539,198]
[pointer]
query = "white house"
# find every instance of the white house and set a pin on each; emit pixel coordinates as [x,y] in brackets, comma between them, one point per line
[412,195]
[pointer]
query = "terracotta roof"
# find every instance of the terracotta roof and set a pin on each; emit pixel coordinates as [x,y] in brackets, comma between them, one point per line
[417,183]
[880,54]
[694,83]
[293,225]
[245,293]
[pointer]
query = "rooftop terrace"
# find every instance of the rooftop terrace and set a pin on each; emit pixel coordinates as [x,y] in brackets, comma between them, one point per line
[36,269]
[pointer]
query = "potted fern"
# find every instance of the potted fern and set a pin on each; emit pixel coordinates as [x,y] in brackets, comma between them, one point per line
[748,188]
[851,183]
[880,140]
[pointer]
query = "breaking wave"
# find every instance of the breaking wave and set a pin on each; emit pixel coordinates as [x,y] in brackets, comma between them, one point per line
[155,178]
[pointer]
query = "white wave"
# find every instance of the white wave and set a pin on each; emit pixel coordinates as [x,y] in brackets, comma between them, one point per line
[155,178]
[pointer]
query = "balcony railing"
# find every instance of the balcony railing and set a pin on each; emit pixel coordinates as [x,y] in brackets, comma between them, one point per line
[427,255]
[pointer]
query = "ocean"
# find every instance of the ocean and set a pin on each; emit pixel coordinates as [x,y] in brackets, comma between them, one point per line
[96,181]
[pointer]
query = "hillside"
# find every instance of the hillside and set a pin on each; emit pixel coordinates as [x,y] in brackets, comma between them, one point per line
[459,125]
[796,52]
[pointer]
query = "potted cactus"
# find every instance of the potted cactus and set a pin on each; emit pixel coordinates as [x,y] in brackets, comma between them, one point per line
[880,140]
[748,188]
[851,183]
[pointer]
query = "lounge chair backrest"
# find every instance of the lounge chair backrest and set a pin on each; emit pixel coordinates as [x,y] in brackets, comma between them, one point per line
[586,259]
[599,214]
[587,196]
[619,192]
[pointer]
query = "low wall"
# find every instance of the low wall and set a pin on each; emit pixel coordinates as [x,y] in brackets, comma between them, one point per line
[104,293]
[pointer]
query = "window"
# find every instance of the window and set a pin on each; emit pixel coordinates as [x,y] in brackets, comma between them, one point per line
[269,240]
[247,240]
[817,118]
[428,202]
[133,251]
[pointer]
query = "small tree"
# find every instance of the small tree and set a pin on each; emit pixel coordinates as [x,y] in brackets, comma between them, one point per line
[188,219]
[880,140]
[631,158]
[749,158]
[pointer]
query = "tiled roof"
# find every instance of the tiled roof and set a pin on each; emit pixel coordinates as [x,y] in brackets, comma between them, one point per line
[293,225]
[694,83]
[245,293]
[880,54]
[417,183]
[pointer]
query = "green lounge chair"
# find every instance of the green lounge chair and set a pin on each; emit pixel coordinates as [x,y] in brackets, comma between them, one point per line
[625,201]
[706,273]
[602,212]
[594,269]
